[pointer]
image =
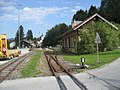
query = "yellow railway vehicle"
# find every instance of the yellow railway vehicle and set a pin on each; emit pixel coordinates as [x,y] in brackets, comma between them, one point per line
[3,47]
[4,52]
[14,53]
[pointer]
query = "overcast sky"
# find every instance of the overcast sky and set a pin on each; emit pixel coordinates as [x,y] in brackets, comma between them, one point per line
[39,15]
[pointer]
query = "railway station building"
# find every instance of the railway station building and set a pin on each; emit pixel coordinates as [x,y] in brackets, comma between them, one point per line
[70,38]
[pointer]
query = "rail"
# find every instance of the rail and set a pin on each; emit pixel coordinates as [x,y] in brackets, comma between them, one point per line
[59,80]
[5,71]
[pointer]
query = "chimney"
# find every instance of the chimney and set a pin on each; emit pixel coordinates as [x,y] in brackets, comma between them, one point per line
[73,23]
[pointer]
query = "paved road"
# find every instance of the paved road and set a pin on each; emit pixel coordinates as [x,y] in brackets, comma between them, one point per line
[41,83]
[106,78]
[110,75]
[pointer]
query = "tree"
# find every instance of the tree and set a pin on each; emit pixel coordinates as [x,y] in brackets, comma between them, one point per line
[110,10]
[21,30]
[29,35]
[35,41]
[80,15]
[92,10]
[52,35]
[103,8]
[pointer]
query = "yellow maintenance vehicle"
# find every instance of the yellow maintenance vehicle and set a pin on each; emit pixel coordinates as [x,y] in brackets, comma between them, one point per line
[4,52]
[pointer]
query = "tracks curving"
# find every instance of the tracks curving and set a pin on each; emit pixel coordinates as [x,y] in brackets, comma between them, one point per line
[53,58]
[6,70]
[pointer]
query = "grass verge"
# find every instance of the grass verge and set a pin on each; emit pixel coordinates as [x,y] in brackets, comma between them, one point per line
[90,59]
[31,67]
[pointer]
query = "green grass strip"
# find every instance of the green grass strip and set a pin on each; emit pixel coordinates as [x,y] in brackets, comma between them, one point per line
[31,68]
[90,59]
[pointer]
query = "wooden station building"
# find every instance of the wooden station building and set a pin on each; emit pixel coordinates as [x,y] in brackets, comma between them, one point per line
[71,37]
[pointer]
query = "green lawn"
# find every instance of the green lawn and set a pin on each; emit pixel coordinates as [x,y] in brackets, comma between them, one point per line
[32,67]
[90,59]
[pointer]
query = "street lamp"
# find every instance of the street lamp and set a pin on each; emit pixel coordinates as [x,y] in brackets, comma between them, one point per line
[19,21]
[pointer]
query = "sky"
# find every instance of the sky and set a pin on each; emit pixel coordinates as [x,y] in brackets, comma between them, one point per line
[38,15]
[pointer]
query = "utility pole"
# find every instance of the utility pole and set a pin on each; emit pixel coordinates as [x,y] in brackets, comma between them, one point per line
[19,22]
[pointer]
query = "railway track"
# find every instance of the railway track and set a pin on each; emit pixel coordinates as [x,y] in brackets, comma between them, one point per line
[8,69]
[56,66]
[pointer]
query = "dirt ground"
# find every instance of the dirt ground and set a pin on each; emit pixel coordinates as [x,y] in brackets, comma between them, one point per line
[45,68]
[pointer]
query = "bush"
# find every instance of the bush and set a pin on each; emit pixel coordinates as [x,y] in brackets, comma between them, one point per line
[118,25]
[86,45]
[109,38]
